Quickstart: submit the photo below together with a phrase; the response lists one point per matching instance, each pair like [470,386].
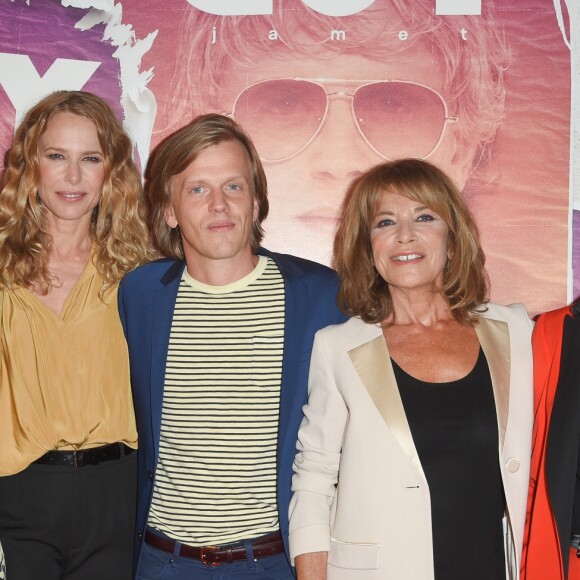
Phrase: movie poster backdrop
[328,88]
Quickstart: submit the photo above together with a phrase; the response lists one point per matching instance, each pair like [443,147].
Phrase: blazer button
[512,465]
[150,475]
[139,535]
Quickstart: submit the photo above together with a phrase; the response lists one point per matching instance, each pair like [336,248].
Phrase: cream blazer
[360,492]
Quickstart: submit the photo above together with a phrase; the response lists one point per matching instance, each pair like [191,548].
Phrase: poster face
[329,89]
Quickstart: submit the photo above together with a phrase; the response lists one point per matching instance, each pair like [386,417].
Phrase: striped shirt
[216,473]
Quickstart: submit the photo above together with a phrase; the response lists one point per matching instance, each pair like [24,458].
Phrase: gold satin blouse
[64,379]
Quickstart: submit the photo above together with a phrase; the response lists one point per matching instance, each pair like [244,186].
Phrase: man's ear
[169,215]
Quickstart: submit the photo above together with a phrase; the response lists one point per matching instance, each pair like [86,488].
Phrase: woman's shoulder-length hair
[363,292]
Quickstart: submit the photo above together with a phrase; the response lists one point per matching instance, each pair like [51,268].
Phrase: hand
[311,566]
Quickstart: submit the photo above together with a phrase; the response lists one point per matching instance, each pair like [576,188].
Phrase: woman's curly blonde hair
[118,230]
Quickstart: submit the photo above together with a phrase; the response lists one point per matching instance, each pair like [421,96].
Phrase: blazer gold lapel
[494,338]
[373,365]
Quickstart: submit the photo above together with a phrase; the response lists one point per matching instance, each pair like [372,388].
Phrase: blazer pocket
[353,556]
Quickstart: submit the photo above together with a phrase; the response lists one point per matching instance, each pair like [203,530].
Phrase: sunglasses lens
[281,116]
[399,119]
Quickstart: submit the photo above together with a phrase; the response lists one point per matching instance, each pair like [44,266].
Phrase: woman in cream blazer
[361,507]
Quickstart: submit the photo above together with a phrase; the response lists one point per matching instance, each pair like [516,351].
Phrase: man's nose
[339,152]
[217,200]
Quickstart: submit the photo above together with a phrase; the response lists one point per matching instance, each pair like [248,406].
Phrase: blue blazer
[146,302]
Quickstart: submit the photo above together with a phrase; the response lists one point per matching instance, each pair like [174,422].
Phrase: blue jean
[155,564]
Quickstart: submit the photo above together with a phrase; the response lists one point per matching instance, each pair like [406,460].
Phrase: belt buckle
[82,457]
[203,555]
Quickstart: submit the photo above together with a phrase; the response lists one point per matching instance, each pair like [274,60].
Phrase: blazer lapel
[564,430]
[494,338]
[162,317]
[373,365]
[296,308]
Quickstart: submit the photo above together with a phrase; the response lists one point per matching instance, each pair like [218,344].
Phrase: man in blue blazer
[220,334]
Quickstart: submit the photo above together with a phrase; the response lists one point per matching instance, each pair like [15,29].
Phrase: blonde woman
[70,228]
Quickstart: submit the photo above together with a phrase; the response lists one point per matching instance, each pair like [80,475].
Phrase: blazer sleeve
[540,536]
[317,461]
[547,348]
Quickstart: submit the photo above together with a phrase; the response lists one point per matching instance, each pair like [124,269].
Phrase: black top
[454,428]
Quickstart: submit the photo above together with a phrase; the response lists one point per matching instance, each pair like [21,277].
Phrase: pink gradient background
[521,200]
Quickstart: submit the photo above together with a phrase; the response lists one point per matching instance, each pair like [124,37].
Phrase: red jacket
[556,435]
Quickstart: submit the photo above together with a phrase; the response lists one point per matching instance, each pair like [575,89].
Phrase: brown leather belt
[268,545]
[83,457]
